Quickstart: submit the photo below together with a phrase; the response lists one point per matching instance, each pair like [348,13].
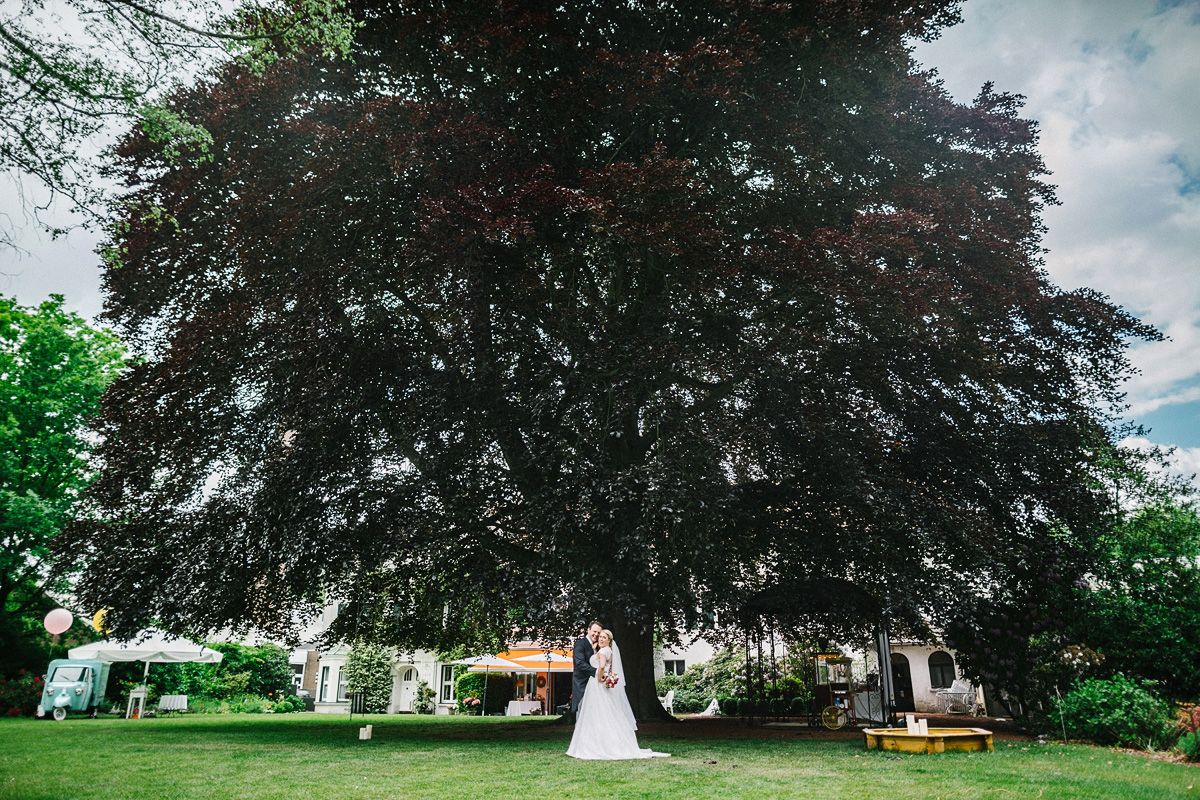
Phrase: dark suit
[582,671]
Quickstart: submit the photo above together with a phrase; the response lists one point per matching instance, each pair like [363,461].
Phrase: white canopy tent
[150,646]
[153,647]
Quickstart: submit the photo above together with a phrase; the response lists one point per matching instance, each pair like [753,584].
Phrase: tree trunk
[636,639]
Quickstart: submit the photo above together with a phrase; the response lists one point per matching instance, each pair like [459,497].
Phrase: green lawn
[305,755]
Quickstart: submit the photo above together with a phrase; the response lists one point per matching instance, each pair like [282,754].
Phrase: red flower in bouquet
[611,680]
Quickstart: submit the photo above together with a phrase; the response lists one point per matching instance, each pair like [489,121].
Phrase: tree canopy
[658,311]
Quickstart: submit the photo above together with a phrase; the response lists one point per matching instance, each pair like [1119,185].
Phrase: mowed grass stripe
[307,755]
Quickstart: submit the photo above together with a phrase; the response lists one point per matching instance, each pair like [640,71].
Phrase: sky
[1112,84]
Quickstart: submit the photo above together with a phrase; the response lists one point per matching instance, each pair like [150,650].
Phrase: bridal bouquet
[611,679]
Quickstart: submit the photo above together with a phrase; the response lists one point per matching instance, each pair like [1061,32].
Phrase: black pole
[887,682]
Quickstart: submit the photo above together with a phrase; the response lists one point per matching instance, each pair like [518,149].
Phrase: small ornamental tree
[369,669]
[644,311]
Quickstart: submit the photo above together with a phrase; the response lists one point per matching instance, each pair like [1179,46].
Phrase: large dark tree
[646,310]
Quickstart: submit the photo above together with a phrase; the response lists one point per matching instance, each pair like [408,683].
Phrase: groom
[582,671]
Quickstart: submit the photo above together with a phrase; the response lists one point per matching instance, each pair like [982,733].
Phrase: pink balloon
[58,620]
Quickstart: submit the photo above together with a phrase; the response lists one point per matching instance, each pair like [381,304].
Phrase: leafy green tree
[1142,612]
[659,312]
[54,367]
[261,670]
[369,669]
[1131,609]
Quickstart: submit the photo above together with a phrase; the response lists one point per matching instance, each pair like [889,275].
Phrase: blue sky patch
[1178,424]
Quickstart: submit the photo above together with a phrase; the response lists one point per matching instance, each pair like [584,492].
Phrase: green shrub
[249,704]
[369,669]
[724,676]
[19,696]
[1189,745]
[1115,711]
[288,704]
[729,706]
[500,689]
[795,688]
[245,704]
[229,684]
[426,698]
[799,706]
[717,677]
[207,705]
[688,701]
[262,670]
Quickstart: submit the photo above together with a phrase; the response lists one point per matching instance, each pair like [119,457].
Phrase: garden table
[517,708]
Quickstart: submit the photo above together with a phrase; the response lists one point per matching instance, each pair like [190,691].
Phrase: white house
[917,670]
[676,659]
[321,673]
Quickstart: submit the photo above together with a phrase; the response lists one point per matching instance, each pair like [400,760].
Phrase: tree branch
[234,37]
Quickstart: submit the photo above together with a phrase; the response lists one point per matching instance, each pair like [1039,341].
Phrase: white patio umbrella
[153,647]
[487,662]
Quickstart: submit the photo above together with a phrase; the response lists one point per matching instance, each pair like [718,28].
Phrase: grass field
[306,755]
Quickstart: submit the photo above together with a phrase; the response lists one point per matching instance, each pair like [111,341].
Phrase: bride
[604,726]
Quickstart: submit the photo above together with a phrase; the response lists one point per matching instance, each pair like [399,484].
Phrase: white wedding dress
[604,724]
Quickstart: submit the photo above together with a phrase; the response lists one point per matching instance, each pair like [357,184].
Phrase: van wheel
[60,714]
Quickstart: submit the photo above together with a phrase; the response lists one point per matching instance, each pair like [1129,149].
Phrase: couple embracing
[604,722]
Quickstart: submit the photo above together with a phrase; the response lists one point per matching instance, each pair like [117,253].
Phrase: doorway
[405,692]
[560,694]
[902,682]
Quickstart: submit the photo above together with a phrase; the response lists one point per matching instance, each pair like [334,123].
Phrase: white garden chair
[960,698]
[668,702]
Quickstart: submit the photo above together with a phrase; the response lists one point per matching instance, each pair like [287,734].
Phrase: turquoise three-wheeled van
[73,685]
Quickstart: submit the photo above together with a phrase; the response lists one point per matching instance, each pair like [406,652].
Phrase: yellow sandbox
[937,740]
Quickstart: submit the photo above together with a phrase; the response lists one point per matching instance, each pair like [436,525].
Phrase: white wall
[918,664]
[326,698]
[425,668]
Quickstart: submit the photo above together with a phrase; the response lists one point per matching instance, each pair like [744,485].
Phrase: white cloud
[1184,461]
[1113,87]
[1188,395]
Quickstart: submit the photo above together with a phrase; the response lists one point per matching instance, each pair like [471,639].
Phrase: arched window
[408,674]
[941,670]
